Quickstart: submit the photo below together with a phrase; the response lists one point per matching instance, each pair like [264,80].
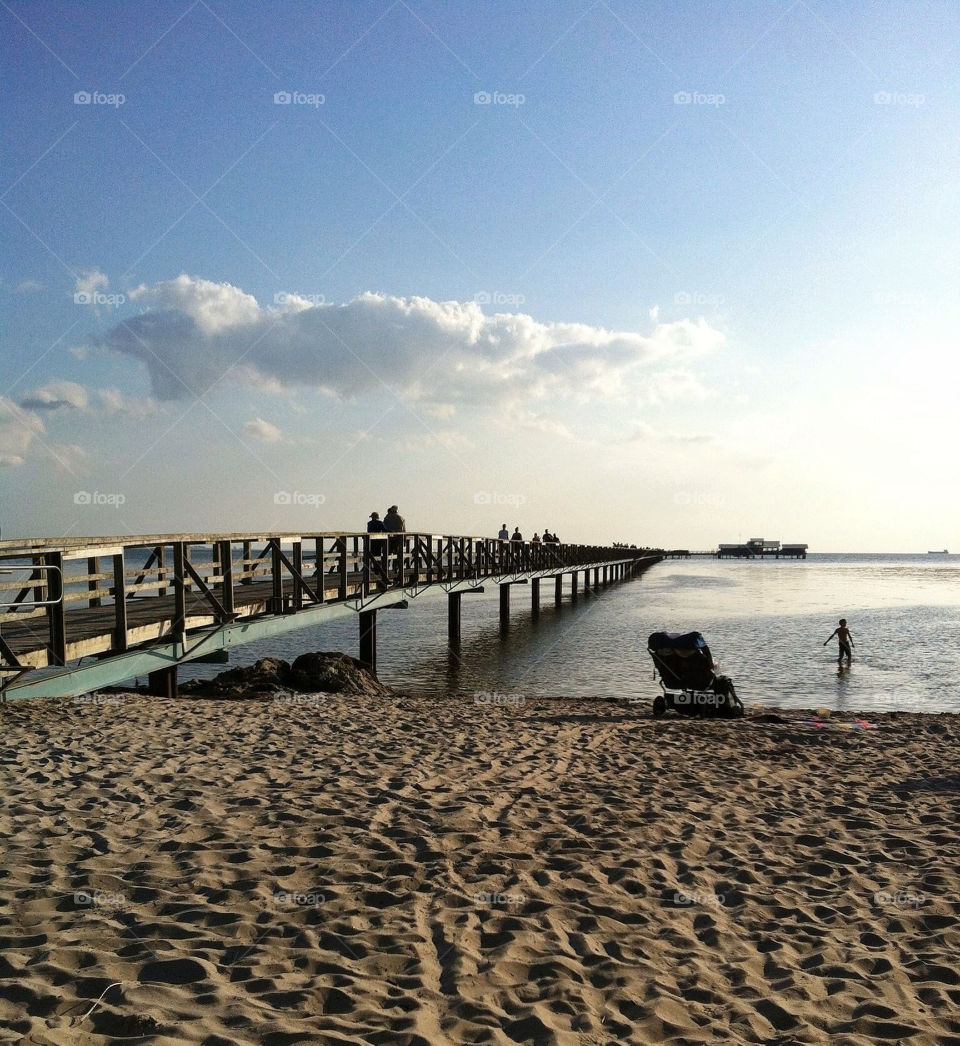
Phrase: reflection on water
[765,622]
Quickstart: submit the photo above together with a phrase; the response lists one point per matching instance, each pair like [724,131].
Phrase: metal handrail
[34,569]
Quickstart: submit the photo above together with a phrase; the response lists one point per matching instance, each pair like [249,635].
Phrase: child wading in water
[845,639]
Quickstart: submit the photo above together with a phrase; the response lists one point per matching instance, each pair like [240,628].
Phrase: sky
[665,273]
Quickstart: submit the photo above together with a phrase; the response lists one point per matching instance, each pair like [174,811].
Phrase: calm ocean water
[765,622]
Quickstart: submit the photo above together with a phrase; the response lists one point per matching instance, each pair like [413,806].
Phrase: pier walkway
[86,613]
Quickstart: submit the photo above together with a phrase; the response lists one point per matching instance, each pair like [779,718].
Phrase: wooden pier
[82,614]
[759,548]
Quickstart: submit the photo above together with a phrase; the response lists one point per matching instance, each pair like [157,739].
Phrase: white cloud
[89,281]
[262,431]
[18,429]
[54,395]
[114,402]
[439,354]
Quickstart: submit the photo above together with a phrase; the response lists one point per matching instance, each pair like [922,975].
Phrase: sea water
[765,622]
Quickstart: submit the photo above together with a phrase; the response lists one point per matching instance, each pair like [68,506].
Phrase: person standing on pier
[375,526]
[394,523]
[845,641]
[504,534]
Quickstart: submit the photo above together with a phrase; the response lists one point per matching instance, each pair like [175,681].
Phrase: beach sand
[405,870]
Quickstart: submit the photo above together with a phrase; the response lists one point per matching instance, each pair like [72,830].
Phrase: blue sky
[664,273]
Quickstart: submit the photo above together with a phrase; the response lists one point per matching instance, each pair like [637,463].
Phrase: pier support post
[453,618]
[573,585]
[596,577]
[535,595]
[558,588]
[504,604]
[163,683]
[605,569]
[368,639]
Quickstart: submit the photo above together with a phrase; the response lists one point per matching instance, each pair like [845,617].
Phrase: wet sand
[405,870]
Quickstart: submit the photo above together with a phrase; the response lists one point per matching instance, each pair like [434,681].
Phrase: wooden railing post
[179,623]
[119,603]
[226,572]
[57,650]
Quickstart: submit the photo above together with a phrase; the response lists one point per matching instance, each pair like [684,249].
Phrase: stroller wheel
[659,706]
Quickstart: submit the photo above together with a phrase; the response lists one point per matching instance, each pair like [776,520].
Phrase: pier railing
[70,599]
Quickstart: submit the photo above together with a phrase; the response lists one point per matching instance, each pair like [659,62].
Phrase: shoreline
[407,870]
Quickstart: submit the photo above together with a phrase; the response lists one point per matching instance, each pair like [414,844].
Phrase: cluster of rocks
[318,672]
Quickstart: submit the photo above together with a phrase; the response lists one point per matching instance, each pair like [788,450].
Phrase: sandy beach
[401,870]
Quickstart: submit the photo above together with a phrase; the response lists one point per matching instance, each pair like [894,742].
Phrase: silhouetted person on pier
[375,526]
[504,534]
[516,537]
[535,540]
[845,641]
[394,523]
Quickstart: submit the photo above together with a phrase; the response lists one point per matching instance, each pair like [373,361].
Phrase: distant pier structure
[761,548]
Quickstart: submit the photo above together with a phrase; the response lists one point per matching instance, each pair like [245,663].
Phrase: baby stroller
[689,679]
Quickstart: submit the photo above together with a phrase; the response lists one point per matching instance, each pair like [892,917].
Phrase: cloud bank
[194,333]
